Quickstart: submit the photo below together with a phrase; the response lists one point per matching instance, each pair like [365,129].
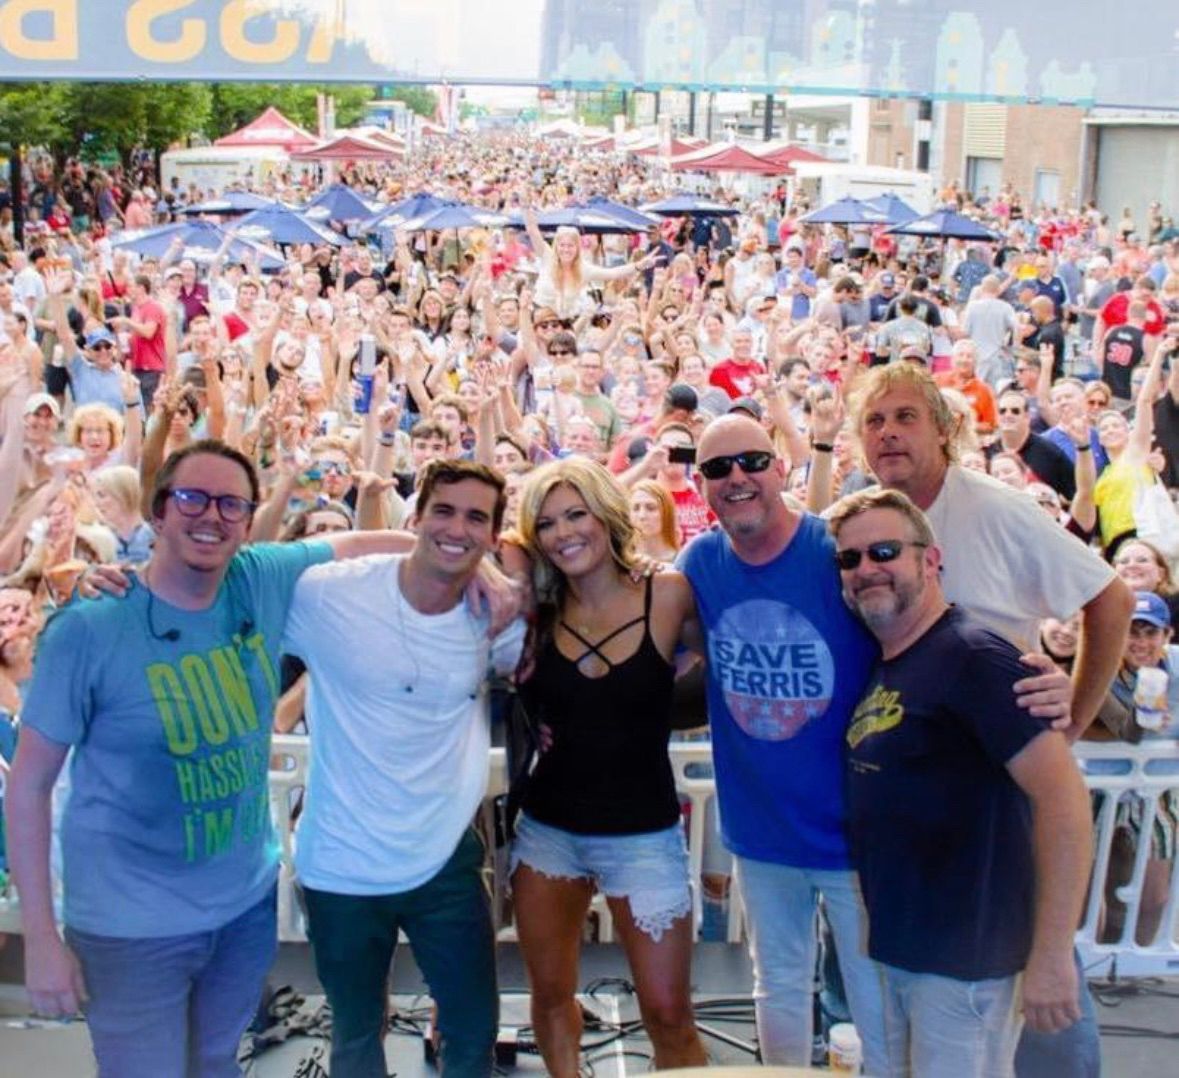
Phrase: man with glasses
[969,819]
[786,664]
[1045,460]
[166,697]
[1008,563]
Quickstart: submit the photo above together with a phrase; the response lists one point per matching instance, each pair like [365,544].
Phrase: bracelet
[131,404]
[1087,447]
[822,447]
[388,440]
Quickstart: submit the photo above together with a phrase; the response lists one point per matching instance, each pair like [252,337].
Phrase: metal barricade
[1115,773]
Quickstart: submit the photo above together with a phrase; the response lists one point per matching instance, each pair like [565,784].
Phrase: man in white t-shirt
[399,749]
[1009,564]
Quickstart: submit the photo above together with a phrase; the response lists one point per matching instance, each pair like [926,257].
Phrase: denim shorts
[649,870]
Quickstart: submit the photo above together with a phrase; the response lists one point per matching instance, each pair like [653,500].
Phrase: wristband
[388,440]
[1087,447]
[131,404]
[822,447]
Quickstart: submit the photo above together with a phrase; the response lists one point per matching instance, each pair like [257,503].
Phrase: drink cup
[1150,698]
[845,1053]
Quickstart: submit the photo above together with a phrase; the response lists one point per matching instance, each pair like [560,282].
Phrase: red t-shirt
[736,379]
[1117,310]
[149,353]
[691,513]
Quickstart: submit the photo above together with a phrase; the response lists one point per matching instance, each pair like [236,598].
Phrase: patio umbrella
[283,225]
[946,225]
[689,206]
[338,202]
[587,219]
[455,215]
[200,239]
[896,209]
[229,204]
[395,215]
[627,214]
[846,211]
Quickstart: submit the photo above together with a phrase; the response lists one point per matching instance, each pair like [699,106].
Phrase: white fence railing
[1115,773]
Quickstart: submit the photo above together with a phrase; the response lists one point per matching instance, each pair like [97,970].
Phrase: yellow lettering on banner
[140,16]
[277,50]
[205,701]
[323,41]
[172,705]
[62,43]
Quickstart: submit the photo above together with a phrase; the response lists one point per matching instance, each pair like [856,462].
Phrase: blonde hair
[122,483]
[606,501]
[90,412]
[669,530]
[880,381]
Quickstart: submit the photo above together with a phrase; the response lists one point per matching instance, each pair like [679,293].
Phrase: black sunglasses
[884,551]
[1011,411]
[562,352]
[751,461]
[102,346]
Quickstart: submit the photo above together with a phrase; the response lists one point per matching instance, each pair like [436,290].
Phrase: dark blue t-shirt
[941,833]
[787,662]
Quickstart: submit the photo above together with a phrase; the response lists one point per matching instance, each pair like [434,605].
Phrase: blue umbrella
[338,202]
[398,213]
[282,225]
[455,215]
[896,209]
[945,224]
[846,211]
[586,219]
[689,206]
[200,239]
[229,204]
[624,213]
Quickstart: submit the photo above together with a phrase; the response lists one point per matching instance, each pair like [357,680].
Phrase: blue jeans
[176,1006]
[780,905]
[939,1027]
[448,922]
[1072,1053]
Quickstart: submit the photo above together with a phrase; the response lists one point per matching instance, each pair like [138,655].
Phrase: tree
[419,99]
[237,103]
[32,114]
[118,117]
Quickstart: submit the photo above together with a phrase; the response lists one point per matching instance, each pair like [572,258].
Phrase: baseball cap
[98,336]
[681,396]
[888,280]
[638,448]
[544,314]
[1152,609]
[914,351]
[42,400]
[746,404]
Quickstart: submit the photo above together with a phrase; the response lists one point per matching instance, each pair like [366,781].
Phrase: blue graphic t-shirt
[787,663]
[167,830]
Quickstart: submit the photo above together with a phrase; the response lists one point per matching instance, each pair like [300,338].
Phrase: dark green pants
[448,922]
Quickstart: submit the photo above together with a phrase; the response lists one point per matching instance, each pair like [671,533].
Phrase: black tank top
[607,772]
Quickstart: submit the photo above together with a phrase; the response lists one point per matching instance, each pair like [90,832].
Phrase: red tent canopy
[678,146]
[348,148]
[784,157]
[726,157]
[272,128]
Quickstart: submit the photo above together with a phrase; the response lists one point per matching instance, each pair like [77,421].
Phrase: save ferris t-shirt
[167,830]
[787,663]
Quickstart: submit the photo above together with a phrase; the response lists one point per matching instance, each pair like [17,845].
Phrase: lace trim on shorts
[656,909]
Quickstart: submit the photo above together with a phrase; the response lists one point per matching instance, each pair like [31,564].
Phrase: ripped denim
[649,870]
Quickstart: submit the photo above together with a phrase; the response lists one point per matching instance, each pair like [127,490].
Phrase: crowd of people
[903,510]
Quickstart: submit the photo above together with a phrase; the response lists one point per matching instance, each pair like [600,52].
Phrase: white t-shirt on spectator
[1006,561]
[399,726]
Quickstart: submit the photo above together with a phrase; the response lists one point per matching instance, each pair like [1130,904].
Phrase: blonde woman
[566,274]
[104,437]
[117,497]
[600,808]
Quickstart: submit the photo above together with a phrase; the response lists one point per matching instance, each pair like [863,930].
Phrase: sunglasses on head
[884,551]
[751,462]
